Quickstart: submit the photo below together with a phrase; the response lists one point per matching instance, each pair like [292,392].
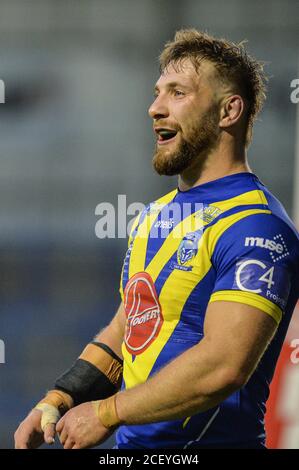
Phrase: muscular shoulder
[256,260]
[263,234]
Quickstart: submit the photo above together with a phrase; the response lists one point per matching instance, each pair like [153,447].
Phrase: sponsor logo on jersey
[263,278]
[143,311]
[208,213]
[277,247]
[167,224]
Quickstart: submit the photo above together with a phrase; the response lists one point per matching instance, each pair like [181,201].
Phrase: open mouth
[165,135]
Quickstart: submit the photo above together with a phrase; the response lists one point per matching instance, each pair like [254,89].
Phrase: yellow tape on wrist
[60,400]
[107,413]
[50,414]
[104,362]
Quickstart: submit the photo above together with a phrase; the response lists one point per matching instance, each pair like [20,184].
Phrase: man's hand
[30,435]
[81,428]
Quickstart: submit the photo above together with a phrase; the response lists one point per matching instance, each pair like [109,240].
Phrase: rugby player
[207,297]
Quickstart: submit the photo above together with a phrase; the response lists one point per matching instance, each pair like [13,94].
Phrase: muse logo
[277,247]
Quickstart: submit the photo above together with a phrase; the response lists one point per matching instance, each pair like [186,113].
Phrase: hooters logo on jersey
[144,313]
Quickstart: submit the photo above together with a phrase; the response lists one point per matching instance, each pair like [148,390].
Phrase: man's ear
[231,111]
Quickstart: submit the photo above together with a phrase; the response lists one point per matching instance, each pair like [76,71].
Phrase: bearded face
[186,116]
[176,153]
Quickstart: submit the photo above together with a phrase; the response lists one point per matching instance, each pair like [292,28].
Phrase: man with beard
[209,281]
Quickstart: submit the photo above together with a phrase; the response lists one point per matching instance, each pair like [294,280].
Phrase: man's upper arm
[238,335]
[254,261]
[120,318]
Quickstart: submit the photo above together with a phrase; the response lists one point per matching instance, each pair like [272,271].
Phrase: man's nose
[158,109]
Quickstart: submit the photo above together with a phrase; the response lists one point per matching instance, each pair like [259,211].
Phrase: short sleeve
[255,261]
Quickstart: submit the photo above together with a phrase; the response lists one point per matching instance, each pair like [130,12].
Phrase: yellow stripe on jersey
[137,261]
[134,225]
[191,223]
[171,244]
[138,254]
[251,197]
[249,298]
[139,370]
[219,228]
[186,421]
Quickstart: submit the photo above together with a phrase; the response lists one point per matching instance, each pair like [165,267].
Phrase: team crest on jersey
[187,250]
[208,213]
[143,311]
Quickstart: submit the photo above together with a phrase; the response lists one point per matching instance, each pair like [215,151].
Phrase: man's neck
[218,164]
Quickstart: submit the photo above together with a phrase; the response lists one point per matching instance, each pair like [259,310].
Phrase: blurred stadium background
[74,132]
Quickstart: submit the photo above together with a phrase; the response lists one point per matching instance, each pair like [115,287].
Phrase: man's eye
[178,93]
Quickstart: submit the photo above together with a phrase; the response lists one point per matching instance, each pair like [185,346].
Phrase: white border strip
[296,171]
[204,429]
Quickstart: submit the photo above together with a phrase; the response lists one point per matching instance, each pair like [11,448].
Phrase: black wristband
[108,350]
[85,382]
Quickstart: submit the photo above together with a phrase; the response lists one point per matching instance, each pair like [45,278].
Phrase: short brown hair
[233,64]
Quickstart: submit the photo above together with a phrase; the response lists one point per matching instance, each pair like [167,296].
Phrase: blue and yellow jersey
[228,239]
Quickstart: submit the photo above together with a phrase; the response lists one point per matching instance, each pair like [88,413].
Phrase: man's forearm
[97,373]
[113,334]
[194,382]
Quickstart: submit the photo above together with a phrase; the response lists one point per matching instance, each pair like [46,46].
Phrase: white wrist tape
[50,414]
